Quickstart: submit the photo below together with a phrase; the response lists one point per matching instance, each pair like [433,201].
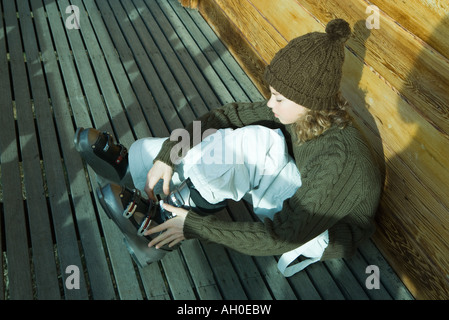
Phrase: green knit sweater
[340,191]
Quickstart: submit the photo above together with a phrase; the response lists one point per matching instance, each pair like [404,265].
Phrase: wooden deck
[135,68]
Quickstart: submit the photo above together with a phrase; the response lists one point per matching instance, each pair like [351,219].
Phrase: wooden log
[411,213]
[410,65]
[12,208]
[398,102]
[406,62]
[428,20]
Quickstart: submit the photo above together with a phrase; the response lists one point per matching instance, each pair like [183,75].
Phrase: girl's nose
[271,102]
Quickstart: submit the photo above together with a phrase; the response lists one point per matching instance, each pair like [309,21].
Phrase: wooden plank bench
[135,68]
[395,77]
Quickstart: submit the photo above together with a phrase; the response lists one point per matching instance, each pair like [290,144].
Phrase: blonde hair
[315,122]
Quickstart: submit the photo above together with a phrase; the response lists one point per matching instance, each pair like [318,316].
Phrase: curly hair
[315,122]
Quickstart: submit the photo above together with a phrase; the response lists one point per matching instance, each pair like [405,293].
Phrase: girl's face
[285,110]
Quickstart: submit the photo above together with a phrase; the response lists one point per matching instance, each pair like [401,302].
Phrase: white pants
[250,163]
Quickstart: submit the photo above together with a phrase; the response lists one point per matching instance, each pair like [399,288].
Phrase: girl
[332,212]
[305,168]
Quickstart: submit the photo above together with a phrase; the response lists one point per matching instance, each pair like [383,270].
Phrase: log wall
[396,78]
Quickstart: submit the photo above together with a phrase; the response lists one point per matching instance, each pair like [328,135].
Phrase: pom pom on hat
[338,29]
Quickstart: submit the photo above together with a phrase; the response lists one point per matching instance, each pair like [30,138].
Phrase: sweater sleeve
[232,115]
[330,190]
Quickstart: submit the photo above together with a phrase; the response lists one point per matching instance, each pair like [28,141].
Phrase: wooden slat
[388,277]
[304,287]
[136,111]
[133,92]
[77,104]
[345,280]
[237,44]
[177,277]
[200,270]
[198,45]
[2,284]
[95,76]
[167,77]
[164,60]
[180,100]
[417,207]
[144,96]
[357,264]
[143,63]
[145,99]
[225,275]
[244,266]
[248,266]
[323,282]
[163,34]
[99,277]
[250,277]
[18,264]
[154,283]
[37,209]
[278,285]
[213,90]
[48,289]
[63,224]
[427,20]
[217,53]
[125,277]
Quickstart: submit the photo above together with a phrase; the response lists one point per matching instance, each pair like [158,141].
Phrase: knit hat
[308,69]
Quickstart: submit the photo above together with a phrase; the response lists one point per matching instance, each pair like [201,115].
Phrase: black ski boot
[134,215]
[108,159]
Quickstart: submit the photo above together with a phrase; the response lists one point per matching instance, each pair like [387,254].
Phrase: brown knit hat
[308,69]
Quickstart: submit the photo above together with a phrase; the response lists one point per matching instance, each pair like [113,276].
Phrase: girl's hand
[173,229]
[158,171]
